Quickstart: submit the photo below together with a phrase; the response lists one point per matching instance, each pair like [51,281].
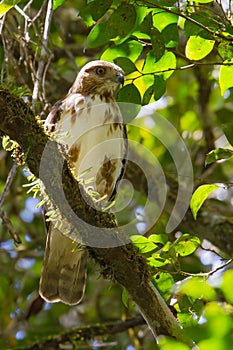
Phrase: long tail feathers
[63,275]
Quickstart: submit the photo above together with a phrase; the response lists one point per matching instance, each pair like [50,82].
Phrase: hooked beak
[120,78]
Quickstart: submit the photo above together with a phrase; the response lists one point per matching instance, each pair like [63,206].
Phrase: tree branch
[86,333]
[109,247]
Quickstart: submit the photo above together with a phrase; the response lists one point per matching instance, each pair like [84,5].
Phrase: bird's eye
[100,71]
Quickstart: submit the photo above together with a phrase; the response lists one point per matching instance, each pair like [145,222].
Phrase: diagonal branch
[120,260]
[86,333]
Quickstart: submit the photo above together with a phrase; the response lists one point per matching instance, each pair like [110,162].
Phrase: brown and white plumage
[89,124]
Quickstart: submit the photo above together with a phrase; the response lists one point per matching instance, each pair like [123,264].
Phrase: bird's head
[98,78]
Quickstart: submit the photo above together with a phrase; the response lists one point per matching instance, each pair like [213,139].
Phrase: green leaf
[226,286]
[199,196]
[119,25]
[168,343]
[203,1]
[218,154]
[125,298]
[158,45]
[126,64]
[57,3]
[156,261]
[197,288]
[225,77]
[148,95]
[186,319]
[170,35]
[129,93]
[167,3]
[147,24]
[159,87]
[143,243]
[162,19]
[158,238]
[228,130]
[131,49]
[206,20]
[225,50]
[6,5]
[122,21]
[96,9]
[164,282]
[198,48]
[186,244]
[165,65]
[8,144]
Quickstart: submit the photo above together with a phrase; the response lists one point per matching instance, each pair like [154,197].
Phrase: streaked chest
[94,133]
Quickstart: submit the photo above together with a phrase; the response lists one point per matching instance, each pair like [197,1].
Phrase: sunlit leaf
[143,243]
[220,325]
[6,5]
[162,19]
[226,285]
[198,48]
[164,282]
[158,238]
[131,49]
[199,196]
[186,319]
[218,154]
[203,1]
[186,244]
[225,76]
[57,3]
[165,65]
[197,287]
[167,343]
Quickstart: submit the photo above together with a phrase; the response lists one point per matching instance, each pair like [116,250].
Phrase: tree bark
[118,258]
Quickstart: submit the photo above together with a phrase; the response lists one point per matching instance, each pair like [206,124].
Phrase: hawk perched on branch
[89,123]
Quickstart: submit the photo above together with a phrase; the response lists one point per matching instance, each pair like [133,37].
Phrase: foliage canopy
[178,59]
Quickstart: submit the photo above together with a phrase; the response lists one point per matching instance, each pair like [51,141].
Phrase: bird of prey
[88,122]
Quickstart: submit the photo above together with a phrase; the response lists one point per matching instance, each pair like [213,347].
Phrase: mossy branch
[121,262]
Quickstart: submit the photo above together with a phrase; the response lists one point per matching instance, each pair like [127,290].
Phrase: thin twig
[189,19]
[42,61]
[9,180]
[200,274]
[26,17]
[9,226]
[188,66]
[5,220]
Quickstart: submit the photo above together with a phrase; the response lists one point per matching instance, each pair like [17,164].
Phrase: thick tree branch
[122,261]
[86,333]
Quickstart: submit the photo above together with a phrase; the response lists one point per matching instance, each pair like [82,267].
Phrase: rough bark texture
[121,263]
